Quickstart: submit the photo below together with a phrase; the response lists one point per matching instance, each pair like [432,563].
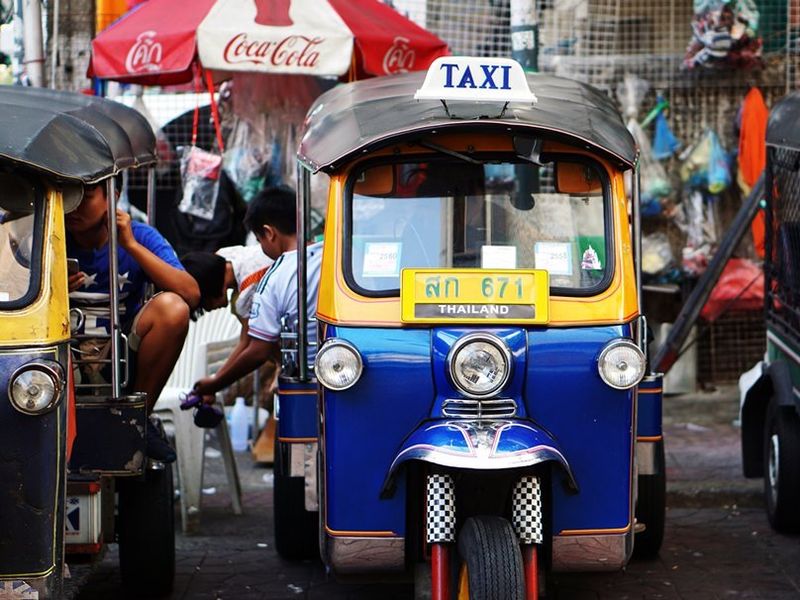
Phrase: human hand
[205,387]
[75,281]
[124,230]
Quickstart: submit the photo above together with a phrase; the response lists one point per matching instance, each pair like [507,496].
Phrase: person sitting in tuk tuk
[155,327]
[272,218]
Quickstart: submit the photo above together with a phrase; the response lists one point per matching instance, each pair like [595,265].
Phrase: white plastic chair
[209,341]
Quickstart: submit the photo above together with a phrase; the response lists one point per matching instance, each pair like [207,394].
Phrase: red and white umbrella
[159,41]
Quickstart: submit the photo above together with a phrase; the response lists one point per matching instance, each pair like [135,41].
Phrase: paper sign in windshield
[381,259]
[498,257]
[555,257]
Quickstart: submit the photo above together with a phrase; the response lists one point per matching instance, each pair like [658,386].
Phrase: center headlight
[34,388]
[479,365]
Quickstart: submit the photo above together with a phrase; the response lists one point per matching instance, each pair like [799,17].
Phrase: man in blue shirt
[157,328]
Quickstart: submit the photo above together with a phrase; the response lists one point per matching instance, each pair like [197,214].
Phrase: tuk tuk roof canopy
[783,127]
[72,136]
[363,116]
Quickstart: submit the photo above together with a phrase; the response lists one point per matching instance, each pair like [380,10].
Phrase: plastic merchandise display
[239,423]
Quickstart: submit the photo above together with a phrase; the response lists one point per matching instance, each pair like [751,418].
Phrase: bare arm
[162,274]
[252,356]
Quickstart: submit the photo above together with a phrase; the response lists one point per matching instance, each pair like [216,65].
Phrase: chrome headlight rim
[488,338]
[52,370]
[613,344]
[326,346]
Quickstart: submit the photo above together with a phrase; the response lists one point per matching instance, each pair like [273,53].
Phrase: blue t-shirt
[92,296]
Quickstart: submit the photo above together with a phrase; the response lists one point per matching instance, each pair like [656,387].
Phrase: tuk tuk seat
[200,356]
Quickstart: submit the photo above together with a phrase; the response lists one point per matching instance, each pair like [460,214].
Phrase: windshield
[493,215]
[20,240]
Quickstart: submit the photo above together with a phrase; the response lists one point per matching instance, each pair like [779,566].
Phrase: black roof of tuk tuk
[783,127]
[359,117]
[72,136]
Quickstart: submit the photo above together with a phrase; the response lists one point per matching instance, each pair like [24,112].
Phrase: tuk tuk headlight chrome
[338,365]
[479,365]
[621,364]
[34,388]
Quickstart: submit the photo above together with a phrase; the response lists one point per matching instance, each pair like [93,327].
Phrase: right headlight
[621,364]
[338,365]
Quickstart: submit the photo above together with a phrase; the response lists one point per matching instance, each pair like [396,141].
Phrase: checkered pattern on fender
[527,510]
[440,519]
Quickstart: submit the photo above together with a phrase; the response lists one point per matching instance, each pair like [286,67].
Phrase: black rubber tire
[782,501]
[490,549]
[651,509]
[146,531]
[296,529]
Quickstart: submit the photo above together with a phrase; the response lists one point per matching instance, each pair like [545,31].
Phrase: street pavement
[718,544]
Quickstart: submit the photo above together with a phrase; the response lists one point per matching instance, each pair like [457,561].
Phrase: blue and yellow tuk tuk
[479,412]
[73,469]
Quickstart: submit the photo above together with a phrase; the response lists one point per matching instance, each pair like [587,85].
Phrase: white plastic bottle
[238,425]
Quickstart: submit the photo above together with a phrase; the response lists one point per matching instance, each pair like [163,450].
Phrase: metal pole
[525,34]
[636,234]
[303,187]
[113,283]
[18,55]
[34,53]
[151,196]
[54,46]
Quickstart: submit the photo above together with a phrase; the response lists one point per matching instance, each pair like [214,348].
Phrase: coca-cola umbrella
[159,41]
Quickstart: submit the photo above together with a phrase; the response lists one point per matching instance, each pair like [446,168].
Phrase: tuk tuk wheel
[146,527]
[651,507]
[782,468]
[492,566]
[296,529]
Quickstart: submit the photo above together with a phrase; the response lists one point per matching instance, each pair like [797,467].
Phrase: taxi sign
[475,79]
[475,296]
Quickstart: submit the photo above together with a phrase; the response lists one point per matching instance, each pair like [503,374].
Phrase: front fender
[490,445]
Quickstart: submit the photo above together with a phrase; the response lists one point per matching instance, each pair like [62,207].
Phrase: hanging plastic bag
[665,144]
[200,172]
[706,165]
[201,169]
[655,183]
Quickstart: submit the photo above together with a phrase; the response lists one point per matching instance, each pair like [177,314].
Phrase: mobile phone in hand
[73,266]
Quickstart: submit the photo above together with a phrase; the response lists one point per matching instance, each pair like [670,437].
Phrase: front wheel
[492,567]
[146,527]
[782,468]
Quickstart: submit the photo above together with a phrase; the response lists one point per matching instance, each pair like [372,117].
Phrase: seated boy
[271,217]
[156,328]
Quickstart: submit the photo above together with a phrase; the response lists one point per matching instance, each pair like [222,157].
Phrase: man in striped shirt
[271,217]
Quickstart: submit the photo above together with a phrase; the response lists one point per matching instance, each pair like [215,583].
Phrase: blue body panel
[297,418]
[32,449]
[561,400]
[592,422]
[365,425]
[648,417]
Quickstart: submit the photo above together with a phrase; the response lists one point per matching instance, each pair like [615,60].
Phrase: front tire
[490,552]
[296,529]
[146,527]
[782,468]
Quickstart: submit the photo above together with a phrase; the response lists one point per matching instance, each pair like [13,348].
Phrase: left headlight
[338,365]
[34,388]
[621,364]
